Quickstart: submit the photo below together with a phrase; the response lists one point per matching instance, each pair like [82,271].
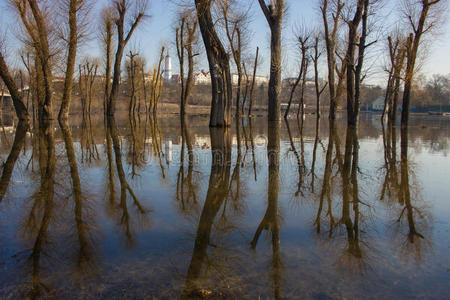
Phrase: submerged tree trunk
[71,56]
[274,16]
[19,105]
[330,41]
[255,66]
[219,66]
[413,44]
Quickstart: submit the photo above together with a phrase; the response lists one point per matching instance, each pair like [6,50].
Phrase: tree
[219,67]
[19,105]
[37,29]
[318,89]
[353,24]
[274,13]
[123,11]
[186,38]
[74,7]
[420,26]
[107,38]
[303,37]
[234,21]
[330,42]
[397,52]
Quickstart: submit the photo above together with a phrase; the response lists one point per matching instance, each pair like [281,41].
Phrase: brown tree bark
[219,66]
[350,60]
[255,66]
[330,41]
[122,40]
[38,32]
[274,14]
[71,56]
[19,105]
[411,55]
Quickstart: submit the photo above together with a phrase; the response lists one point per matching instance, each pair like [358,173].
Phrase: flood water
[163,209]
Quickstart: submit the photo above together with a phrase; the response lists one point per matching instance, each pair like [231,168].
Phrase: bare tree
[303,36]
[74,8]
[397,53]
[274,13]
[186,38]
[319,90]
[16,95]
[37,29]
[418,14]
[123,10]
[353,25]
[107,38]
[219,66]
[87,75]
[331,35]
[255,66]
[234,22]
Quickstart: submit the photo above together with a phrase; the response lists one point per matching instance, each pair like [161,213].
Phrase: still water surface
[161,209]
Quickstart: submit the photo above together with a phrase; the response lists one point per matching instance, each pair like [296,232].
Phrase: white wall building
[204,77]
[378,104]
[259,80]
[167,73]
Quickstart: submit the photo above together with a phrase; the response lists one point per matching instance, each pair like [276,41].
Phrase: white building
[167,73]
[259,80]
[204,77]
[378,104]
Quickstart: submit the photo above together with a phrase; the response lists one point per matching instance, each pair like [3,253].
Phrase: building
[309,81]
[204,77]
[259,80]
[378,104]
[167,73]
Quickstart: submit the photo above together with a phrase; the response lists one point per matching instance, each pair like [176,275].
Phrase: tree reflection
[270,221]
[186,187]
[350,192]
[126,220]
[217,193]
[401,193]
[42,209]
[89,150]
[325,193]
[300,158]
[415,237]
[85,247]
[8,166]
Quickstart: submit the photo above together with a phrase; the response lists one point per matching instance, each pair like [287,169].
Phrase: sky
[158,30]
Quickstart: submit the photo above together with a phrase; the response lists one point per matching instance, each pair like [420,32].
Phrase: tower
[167,67]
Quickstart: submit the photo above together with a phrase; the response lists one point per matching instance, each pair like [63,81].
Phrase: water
[99,210]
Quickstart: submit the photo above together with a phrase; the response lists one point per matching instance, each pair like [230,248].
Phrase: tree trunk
[71,56]
[219,67]
[19,106]
[274,15]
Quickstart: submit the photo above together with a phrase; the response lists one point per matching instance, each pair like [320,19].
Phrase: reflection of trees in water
[186,185]
[218,187]
[85,247]
[300,157]
[354,256]
[400,191]
[89,151]
[271,219]
[8,166]
[126,220]
[42,209]
[136,145]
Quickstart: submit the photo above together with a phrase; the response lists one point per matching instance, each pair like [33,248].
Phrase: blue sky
[158,30]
